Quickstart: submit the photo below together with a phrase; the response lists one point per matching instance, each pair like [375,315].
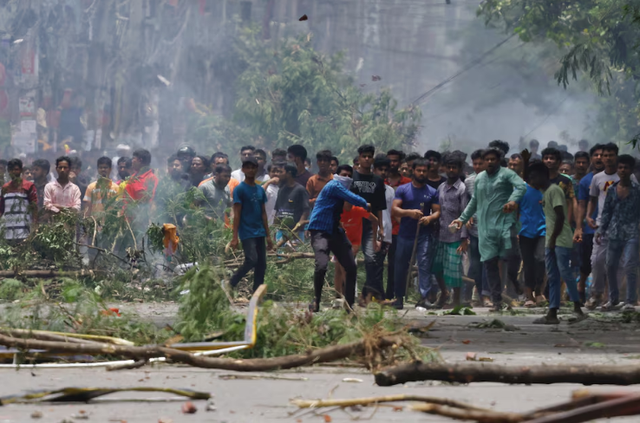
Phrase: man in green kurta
[496,192]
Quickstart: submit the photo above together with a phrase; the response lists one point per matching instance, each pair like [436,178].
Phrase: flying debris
[164,80]
[303,18]
[18,41]
[376,78]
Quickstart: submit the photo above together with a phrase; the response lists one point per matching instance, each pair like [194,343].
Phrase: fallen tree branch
[365,347]
[472,372]
[582,408]
[105,251]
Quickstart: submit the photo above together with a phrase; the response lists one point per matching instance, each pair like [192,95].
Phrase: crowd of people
[541,225]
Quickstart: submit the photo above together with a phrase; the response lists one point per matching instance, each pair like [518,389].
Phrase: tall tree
[598,38]
[287,92]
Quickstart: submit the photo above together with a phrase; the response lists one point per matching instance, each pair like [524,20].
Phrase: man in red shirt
[18,204]
[141,185]
[394,180]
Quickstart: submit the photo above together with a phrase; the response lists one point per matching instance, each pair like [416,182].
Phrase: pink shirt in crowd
[58,197]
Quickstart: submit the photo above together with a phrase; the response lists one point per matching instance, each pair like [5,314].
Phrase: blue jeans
[404,248]
[290,236]
[558,262]
[625,253]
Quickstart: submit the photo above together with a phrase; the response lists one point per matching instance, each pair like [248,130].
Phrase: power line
[467,67]
[555,109]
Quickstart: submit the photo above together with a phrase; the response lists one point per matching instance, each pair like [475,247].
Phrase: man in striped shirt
[18,204]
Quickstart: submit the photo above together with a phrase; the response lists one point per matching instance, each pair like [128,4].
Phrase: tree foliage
[598,38]
[289,93]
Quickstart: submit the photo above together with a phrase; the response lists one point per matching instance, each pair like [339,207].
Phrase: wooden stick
[45,273]
[135,365]
[333,353]
[44,336]
[624,406]
[480,416]
[476,372]
[323,403]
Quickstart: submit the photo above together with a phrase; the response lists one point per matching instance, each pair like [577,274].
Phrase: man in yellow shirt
[101,191]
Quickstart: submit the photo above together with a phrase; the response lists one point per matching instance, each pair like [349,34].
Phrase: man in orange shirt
[101,191]
[140,190]
[317,182]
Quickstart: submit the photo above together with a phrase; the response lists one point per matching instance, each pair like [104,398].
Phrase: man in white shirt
[271,189]
[62,194]
[261,157]
[380,167]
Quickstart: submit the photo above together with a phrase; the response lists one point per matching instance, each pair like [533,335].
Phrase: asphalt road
[595,341]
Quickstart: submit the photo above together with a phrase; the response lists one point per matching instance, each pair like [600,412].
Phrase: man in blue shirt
[416,204]
[250,225]
[531,239]
[584,233]
[327,235]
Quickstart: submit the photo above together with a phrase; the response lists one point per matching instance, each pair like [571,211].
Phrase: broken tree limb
[365,347]
[467,373]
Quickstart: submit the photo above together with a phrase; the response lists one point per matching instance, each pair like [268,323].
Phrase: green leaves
[598,39]
[10,289]
[290,93]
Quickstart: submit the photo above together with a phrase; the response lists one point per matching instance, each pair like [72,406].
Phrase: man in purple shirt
[416,204]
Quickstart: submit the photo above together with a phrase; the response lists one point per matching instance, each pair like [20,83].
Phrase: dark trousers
[586,248]
[510,269]
[476,268]
[372,263]
[492,268]
[337,243]
[533,256]
[391,265]
[255,257]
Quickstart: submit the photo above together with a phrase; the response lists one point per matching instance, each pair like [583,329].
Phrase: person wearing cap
[186,155]
[250,225]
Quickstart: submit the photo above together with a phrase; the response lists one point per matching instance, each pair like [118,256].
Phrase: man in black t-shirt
[292,206]
[434,179]
[371,188]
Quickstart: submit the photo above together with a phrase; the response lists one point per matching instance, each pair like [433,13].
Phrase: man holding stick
[413,204]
